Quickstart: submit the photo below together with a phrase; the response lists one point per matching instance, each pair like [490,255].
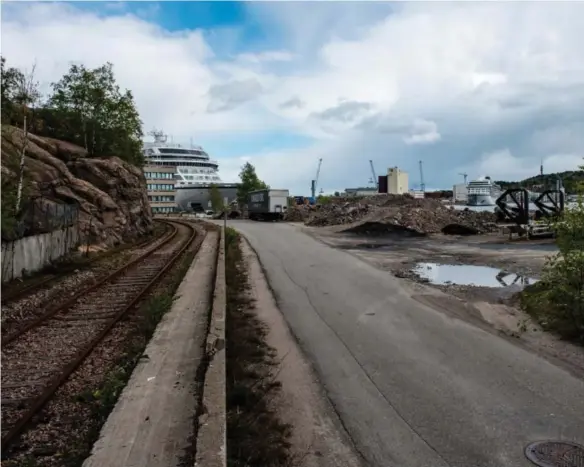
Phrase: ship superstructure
[482,192]
[195,171]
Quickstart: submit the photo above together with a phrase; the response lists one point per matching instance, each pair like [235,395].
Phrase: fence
[44,232]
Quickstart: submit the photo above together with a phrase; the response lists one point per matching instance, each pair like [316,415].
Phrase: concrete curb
[211,436]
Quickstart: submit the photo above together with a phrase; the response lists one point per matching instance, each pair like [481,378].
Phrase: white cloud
[449,83]
[268,56]
[423,132]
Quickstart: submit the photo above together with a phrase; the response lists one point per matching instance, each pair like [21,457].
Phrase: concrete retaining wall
[30,254]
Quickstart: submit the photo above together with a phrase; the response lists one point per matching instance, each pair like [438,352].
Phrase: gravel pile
[401,212]
[297,214]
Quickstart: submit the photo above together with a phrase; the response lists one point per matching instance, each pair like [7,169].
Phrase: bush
[557,301]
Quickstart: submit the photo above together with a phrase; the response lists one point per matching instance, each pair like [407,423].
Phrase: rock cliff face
[110,194]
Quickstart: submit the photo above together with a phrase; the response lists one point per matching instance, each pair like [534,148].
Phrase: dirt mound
[297,214]
[399,212]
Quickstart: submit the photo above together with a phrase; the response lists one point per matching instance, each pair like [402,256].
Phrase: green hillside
[573,181]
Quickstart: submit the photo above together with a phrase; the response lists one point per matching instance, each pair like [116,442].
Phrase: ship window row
[197,171]
[163,209]
[165,175]
[183,163]
[479,191]
[159,187]
[181,151]
[161,199]
[200,177]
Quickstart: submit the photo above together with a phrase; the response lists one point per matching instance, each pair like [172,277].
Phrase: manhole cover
[555,454]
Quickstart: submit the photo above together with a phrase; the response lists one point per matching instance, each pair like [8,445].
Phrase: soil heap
[110,194]
[399,212]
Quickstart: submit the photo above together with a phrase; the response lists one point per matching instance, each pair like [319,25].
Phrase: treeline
[86,107]
[573,181]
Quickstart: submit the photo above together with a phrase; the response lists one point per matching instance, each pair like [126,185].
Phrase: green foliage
[557,301]
[86,108]
[215,198]
[98,116]
[249,182]
[573,181]
[322,199]
[19,90]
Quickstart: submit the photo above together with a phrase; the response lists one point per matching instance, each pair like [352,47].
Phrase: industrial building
[160,183]
[397,181]
[460,192]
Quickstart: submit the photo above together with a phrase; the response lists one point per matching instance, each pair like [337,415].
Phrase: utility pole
[422,184]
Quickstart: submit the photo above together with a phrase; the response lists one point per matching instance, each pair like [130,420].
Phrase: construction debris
[395,212]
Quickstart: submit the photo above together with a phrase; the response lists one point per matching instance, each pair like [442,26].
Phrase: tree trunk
[21,169]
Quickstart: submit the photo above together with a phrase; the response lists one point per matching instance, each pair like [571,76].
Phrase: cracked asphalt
[414,386]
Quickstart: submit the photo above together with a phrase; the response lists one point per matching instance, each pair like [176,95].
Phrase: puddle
[481,276]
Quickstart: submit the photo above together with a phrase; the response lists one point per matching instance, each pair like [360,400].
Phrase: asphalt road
[412,385]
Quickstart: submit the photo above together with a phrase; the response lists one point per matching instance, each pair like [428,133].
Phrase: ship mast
[159,136]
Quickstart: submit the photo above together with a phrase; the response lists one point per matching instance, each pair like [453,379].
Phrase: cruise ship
[195,172]
[483,192]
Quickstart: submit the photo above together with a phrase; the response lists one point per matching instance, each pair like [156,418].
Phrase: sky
[483,88]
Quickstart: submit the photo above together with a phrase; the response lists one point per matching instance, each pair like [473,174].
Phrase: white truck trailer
[267,204]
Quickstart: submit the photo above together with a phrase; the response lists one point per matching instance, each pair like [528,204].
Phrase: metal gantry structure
[465,175]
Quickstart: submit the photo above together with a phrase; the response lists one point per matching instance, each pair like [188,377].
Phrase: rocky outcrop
[107,195]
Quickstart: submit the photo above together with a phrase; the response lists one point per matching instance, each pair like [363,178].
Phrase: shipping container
[268,204]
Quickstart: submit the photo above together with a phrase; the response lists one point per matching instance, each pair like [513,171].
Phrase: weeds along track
[40,356]
[45,299]
[48,281]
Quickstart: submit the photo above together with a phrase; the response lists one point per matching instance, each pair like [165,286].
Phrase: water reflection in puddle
[482,276]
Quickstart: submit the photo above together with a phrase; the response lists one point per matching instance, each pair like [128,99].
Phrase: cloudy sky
[486,88]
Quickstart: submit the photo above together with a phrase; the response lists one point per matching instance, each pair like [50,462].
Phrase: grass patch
[255,434]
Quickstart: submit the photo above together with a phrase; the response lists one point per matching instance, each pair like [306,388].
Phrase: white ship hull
[480,200]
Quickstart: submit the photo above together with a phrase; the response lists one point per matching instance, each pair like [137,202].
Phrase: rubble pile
[401,212]
[297,213]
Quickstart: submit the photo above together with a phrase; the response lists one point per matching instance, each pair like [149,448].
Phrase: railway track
[46,282]
[38,358]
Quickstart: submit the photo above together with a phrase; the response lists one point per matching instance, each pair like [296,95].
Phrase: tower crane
[422,184]
[464,174]
[315,181]
[375,180]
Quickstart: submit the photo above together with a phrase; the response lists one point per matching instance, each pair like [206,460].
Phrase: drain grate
[555,454]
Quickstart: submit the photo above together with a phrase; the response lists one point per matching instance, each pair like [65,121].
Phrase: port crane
[465,175]
[422,184]
[374,180]
[315,181]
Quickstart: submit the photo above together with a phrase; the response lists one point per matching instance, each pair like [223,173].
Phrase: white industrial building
[397,181]
[460,192]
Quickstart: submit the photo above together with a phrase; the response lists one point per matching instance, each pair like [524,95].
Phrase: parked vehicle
[267,205]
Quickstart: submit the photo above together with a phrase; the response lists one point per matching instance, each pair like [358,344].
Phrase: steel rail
[54,383]
[33,323]
[7,298]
